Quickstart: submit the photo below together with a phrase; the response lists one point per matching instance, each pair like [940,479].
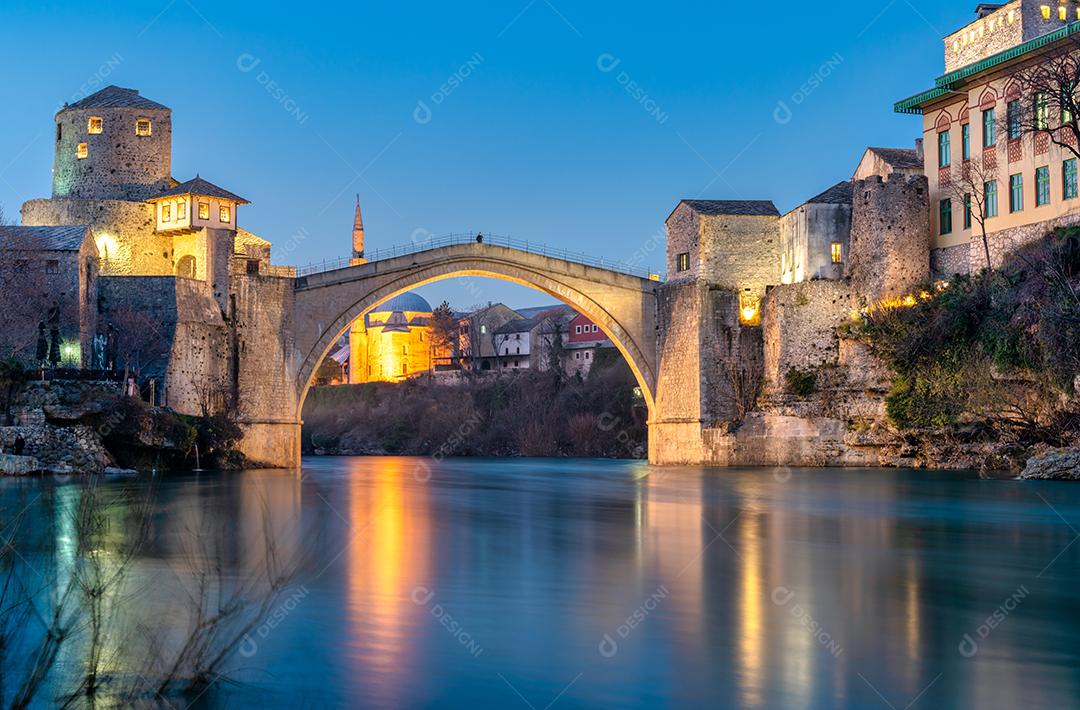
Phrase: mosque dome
[408,301]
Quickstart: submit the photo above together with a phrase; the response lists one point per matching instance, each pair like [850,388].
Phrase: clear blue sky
[538,141]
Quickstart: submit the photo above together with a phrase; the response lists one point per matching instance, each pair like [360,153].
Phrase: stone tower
[358,237]
[112,145]
[890,237]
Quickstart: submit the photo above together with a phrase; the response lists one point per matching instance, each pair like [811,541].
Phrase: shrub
[800,383]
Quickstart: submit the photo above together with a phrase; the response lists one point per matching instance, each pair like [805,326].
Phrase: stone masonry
[890,242]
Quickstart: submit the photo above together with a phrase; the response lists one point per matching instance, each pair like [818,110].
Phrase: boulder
[11,465]
[1059,464]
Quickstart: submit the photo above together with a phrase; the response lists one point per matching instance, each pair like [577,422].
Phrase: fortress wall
[799,324]
[890,237]
[192,333]
[265,368]
[124,232]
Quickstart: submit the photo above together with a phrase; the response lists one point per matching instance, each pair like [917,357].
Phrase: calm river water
[585,584]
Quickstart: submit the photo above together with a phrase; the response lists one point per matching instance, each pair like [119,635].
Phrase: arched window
[185,267]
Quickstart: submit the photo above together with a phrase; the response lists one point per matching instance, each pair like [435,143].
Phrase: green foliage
[800,383]
[954,347]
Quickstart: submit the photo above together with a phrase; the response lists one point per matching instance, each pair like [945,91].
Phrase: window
[252,267]
[683,262]
[404,350]
[990,197]
[965,141]
[1068,170]
[94,125]
[404,369]
[181,209]
[483,329]
[989,137]
[1016,193]
[59,132]
[81,151]
[837,251]
[1067,99]
[943,156]
[967,211]
[1045,9]
[1042,186]
[587,355]
[945,216]
[577,330]
[166,212]
[1063,13]
[1041,122]
[1012,114]
[225,214]
[204,210]
[143,127]
[52,266]
[577,356]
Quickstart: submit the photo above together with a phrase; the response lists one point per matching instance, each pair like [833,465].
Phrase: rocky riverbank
[91,427]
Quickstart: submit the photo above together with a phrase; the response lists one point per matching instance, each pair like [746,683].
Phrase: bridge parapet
[453,239]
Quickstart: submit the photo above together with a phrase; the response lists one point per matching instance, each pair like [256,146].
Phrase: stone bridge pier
[285,327]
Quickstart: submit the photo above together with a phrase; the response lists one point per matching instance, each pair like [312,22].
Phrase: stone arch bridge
[317,309]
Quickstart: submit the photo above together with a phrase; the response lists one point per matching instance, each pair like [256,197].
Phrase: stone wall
[740,252]
[675,429]
[262,310]
[194,336]
[683,237]
[950,261]
[890,237]
[799,324]
[119,165]
[125,232]
[807,234]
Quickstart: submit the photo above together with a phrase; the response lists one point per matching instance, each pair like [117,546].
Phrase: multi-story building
[981,148]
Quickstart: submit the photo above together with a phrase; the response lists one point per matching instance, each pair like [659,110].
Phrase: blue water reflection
[574,584]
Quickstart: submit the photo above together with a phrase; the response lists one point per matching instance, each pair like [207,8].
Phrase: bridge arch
[622,305]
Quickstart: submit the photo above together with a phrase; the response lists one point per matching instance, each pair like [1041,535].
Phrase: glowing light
[749,308]
[107,246]
[1045,12]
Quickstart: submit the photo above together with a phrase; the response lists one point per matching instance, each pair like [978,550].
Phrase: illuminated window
[225,214]
[1061,13]
[683,262]
[1045,12]
[142,127]
[81,151]
[181,209]
[94,125]
[1041,113]
[166,213]
[204,210]
[837,253]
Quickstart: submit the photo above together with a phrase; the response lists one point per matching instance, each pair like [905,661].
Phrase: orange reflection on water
[388,558]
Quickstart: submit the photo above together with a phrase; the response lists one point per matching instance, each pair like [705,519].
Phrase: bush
[958,352]
[800,383]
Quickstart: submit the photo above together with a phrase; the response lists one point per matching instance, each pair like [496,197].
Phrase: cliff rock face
[1060,464]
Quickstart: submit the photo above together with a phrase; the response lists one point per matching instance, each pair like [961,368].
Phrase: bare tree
[28,297]
[1046,104]
[444,329]
[141,340]
[968,191]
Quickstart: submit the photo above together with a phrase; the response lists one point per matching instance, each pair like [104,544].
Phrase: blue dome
[407,301]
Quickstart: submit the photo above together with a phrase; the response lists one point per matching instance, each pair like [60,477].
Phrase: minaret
[358,335]
[358,237]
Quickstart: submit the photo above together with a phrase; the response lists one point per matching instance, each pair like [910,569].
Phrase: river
[581,584]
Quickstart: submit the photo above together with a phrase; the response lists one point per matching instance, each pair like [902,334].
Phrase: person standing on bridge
[480,238]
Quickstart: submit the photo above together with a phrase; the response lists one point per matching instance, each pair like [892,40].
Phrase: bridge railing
[498,240]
